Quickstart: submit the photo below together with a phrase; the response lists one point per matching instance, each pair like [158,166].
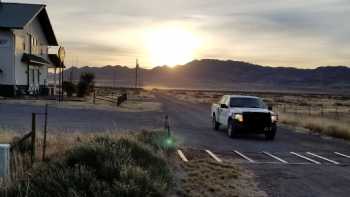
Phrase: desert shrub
[158,140]
[24,147]
[69,87]
[101,167]
[86,84]
[325,126]
[83,88]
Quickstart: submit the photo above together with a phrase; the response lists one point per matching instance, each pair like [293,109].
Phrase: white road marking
[214,156]
[182,156]
[275,157]
[304,157]
[245,157]
[343,155]
[326,159]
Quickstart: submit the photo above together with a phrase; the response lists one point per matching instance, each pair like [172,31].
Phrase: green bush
[101,167]
[86,84]
[83,88]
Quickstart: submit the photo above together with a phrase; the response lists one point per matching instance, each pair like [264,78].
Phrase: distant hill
[214,74]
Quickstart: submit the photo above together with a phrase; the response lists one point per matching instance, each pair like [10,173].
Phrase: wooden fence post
[45,133]
[32,157]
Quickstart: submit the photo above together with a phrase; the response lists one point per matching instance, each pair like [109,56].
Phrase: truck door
[225,111]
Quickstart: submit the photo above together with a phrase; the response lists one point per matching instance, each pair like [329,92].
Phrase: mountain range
[218,74]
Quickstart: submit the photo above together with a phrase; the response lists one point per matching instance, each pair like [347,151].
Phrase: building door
[33,76]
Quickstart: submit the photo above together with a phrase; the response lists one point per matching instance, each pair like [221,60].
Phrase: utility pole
[141,77]
[137,74]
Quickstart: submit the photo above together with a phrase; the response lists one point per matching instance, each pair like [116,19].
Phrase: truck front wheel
[231,131]
[270,135]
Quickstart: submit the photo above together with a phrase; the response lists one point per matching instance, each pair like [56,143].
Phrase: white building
[25,35]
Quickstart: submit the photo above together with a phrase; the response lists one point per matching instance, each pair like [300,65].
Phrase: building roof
[18,15]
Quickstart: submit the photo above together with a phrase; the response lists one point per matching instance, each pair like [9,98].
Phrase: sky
[297,33]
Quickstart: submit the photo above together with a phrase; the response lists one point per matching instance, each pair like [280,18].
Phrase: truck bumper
[244,128]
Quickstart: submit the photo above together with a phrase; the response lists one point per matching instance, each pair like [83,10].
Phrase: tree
[86,84]
[69,87]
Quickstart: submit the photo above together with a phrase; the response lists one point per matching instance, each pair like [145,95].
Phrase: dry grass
[196,97]
[207,178]
[141,164]
[325,126]
[197,178]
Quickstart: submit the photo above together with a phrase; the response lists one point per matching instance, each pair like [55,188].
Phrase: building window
[4,42]
[33,74]
[19,44]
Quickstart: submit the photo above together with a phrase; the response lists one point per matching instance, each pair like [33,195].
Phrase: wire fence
[329,111]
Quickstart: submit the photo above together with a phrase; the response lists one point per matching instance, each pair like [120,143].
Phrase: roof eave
[53,40]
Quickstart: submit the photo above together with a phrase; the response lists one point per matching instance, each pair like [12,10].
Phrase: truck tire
[231,131]
[215,124]
[270,135]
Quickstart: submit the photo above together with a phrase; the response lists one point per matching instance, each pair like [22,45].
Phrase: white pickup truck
[243,114]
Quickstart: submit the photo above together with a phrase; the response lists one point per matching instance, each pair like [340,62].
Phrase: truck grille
[257,120]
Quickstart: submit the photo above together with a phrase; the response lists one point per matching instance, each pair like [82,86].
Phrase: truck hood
[242,110]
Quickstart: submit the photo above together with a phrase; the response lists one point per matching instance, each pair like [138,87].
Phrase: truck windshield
[247,102]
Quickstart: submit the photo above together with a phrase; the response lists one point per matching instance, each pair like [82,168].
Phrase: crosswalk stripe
[245,157]
[275,157]
[324,158]
[182,155]
[214,156]
[304,157]
[343,155]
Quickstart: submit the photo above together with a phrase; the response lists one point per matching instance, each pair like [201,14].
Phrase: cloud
[273,32]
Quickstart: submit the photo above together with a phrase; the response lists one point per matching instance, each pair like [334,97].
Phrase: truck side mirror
[223,106]
[270,107]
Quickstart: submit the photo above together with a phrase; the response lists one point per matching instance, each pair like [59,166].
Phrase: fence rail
[115,100]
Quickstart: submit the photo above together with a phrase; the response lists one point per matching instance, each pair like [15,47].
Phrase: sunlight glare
[171,46]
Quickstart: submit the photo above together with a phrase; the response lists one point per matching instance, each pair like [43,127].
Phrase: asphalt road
[191,123]
[17,117]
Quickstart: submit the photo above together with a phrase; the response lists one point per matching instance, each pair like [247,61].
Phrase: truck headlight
[238,117]
[274,118]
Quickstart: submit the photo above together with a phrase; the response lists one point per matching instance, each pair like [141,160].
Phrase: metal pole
[33,137]
[62,78]
[45,133]
[94,97]
[167,125]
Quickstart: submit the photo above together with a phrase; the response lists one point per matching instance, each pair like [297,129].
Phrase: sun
[171,46]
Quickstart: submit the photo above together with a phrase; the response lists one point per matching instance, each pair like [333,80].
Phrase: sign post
[61,55]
